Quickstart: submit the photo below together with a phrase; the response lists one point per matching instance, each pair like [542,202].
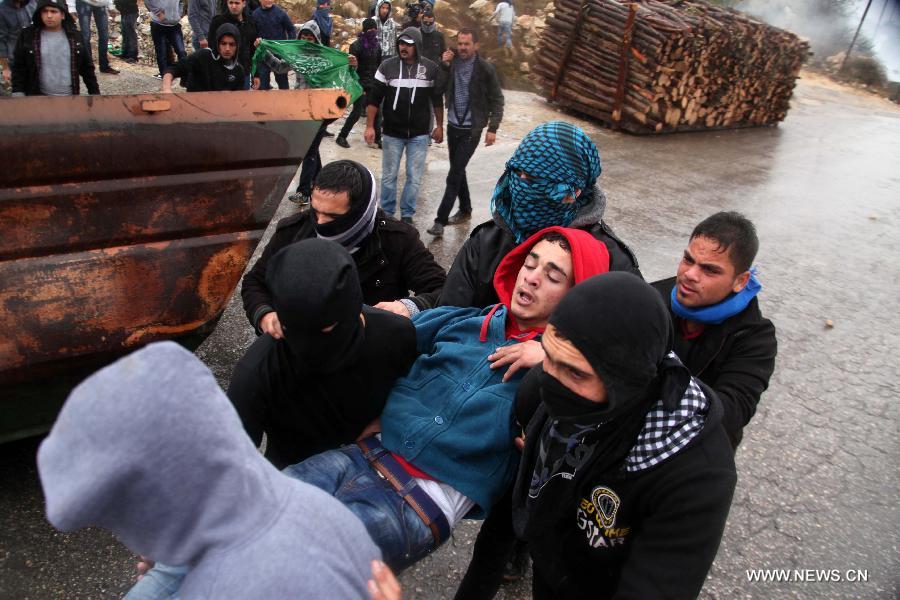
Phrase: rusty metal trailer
[130,219]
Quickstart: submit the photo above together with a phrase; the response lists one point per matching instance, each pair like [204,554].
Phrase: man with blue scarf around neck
[721,335]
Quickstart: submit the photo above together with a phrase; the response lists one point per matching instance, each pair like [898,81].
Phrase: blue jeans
[101,18]
[129,35]
[394,526]
[504,31]
[163,35]
[162,582]
[392,152]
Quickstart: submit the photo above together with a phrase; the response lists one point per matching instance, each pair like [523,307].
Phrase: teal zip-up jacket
[452,415]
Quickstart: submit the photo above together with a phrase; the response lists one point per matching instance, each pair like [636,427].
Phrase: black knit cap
[369,24]
[622,327]
[315,285]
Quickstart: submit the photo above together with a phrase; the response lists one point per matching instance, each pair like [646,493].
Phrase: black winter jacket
[653,533]
[392,263]
[367,63]
[203,72]
[247,27]
[735,358]
[433,45]
[485,95]
[26,67]
[470,281]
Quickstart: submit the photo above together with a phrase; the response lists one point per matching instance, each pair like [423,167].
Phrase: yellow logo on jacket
[597,517]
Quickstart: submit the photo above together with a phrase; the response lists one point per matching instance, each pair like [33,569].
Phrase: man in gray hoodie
[165,28]
[152,450]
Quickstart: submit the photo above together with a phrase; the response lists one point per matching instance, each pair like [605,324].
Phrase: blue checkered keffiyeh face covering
[559,159]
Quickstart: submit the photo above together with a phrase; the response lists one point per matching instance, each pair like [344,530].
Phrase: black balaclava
[351,230]
[314,286]
[623,328]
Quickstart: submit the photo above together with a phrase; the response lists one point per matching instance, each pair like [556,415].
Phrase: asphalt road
[818,480]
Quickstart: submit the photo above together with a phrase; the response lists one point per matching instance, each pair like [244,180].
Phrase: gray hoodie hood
[152,450]
[312,27]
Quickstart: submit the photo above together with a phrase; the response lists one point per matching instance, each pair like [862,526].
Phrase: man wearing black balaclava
[627,473]
[396,270]
[330,374]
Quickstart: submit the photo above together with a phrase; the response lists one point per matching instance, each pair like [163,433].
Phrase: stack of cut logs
[654,66]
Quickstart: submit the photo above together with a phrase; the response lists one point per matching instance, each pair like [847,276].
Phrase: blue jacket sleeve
[429,323]
[290,31]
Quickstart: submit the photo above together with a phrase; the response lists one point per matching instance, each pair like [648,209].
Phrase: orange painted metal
[129,219]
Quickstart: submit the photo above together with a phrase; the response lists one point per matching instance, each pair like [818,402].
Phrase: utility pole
[855,35]
[880,17]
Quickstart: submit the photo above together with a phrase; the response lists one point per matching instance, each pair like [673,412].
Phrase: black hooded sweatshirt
[247,27]
[408,91]
[313,390]
[206,71]
[26,65]
[628,501]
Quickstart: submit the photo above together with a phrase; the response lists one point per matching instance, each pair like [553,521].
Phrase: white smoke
[829,26]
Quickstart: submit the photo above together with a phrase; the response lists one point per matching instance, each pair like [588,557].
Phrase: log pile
[655,66]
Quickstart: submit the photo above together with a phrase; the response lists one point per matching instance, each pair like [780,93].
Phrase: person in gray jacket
[200,16]
[165,29]
[15,15]
[150,449]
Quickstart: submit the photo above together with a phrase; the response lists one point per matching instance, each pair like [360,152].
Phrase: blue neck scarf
[714,314]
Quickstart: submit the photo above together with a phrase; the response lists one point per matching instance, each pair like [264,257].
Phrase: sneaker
[460,216]
[437,230]
[342,142]
[407,220]
[158,76]
[109,70]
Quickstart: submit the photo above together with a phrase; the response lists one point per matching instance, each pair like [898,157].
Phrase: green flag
[321,66]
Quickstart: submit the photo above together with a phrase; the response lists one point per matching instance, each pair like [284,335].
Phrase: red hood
[589,257]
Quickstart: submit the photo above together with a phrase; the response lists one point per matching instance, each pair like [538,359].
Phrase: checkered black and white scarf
[666,432]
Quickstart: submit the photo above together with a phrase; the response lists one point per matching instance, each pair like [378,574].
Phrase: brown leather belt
[387,466]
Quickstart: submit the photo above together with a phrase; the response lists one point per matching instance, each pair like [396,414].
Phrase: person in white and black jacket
[409,86]
[627,474]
